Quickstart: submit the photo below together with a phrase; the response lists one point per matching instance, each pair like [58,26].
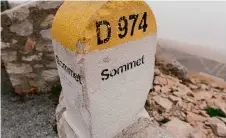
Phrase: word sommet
[76,76]
[106,73]
[122,27]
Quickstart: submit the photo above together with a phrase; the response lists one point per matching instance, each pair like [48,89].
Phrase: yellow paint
[75,22]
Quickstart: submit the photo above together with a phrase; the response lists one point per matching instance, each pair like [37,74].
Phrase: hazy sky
[192,22]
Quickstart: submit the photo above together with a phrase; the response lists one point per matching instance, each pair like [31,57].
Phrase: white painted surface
[104,108]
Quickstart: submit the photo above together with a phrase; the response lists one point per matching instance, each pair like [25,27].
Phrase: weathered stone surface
[32,57]
[218,127]
[52,65]
[46,34]
[38,66]
[15,80]
[16,68]
[24,28]
[203,95]
[160,80]
[29,45]
[14,41]
[19,14]
[49,4]
[46,47]
[47,21]
[163,102]
[8,56]
[50,75]
[192,118]
[4,45]
[179,128]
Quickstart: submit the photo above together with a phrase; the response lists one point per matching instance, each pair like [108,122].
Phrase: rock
[14,41]
[24,28]
[175,99]
[182,90]
[45,5]
[15,80]
[50,75]
[203,95]
[16,68]
[32,57]
[160,80]
[157,88]
[163,102]
[172,81]
[157,72]
[179,128]
[9,56]
[32,75]
[50,56]
[165,89]
[52,65]
[4,45]
[218,127]
[193,87]
[38,66]
[46,34]
[222,119]
[47,21]
[203,87]
[29,45]
[44,47]
[19,14]
[193,118]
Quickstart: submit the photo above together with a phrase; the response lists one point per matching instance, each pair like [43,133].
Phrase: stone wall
[26,46]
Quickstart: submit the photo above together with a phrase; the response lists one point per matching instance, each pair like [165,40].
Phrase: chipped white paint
[105,107]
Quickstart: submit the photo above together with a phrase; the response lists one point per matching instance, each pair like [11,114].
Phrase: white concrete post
[105,54]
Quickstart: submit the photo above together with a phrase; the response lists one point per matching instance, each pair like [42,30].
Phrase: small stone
[157,72]
[16,68]
[23,29]
[15,80]
[50,75]
[179,128]
[9,56]
[172,81]
[4,45]
[174,98]
[50,56]
[19,14]
[193,87]
[32,75]
[46,34]
[218,127]
[38,66]
[47,21]
[44,47]
[192,118]
[203,95]
[163,102]
[165,89]
[29,45]
[160,80]
[32,58]
[157,88]
[52,65]
[203,87]
[14,41]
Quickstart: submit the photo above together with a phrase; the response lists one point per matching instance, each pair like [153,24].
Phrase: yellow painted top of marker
[89,26]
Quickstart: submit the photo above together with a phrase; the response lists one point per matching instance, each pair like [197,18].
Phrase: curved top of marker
[75,24]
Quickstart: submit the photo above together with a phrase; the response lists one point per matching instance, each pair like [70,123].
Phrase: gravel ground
[30,116]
